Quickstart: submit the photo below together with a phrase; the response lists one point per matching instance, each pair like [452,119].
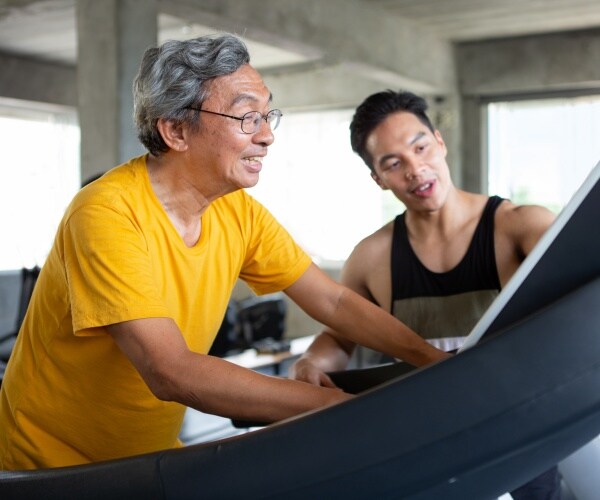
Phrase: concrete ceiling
[316,53]
[469,20]
[45,29]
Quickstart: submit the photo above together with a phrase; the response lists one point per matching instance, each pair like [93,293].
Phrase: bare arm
[327,353]
[366,272]
[518,229]
[357,320]
[529,223]
[157,349]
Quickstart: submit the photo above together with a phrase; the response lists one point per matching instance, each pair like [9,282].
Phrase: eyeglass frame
[278,114]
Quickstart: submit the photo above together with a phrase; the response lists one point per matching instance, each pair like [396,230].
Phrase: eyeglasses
[250,121]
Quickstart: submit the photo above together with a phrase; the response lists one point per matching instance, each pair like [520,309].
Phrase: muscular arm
[366,271]
[357,320]
[327,353]
[518,229]
[529,223]
[157,349]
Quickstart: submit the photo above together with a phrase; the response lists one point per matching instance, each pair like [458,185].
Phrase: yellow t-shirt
[69,395]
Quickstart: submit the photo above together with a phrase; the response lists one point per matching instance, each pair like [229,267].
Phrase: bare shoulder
[367,269]
[523,218]
[375,244]
[524,225]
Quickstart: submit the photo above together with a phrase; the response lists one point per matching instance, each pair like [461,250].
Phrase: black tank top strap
[483,248]
[403,258]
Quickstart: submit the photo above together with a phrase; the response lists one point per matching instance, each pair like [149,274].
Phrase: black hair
[375,109]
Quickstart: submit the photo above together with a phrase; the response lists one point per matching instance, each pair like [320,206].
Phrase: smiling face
[232,158]
[410,160]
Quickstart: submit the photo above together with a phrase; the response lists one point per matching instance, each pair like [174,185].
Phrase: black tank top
[445,305]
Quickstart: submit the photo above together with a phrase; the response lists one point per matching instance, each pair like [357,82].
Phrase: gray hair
[173,77]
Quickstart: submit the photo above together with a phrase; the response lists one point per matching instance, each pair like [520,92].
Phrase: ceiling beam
[541,63]
[31,80]
[328,87]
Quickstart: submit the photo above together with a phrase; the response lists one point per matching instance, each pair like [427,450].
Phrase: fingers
[309,373]
[317,377]
[325,381]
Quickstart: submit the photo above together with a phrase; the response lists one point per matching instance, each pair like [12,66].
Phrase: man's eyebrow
[416,138]
[247,98]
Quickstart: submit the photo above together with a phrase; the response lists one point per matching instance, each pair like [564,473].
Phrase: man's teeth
[424,187]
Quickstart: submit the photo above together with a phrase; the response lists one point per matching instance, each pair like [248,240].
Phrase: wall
[517,68]
[30,80]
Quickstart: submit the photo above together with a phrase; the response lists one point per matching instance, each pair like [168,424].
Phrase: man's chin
[249,181]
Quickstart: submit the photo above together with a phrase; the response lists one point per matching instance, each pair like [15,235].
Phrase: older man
[114,345]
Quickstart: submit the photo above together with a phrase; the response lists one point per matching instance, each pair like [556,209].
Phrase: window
[39,176]
[541,151]
[318,188]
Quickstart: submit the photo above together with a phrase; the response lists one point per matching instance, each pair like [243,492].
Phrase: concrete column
[474,131]
[112,35]
[445,114]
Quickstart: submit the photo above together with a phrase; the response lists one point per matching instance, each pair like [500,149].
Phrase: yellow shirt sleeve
[274,260]
[108,268]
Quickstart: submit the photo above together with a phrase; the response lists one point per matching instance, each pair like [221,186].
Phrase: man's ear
[172,133]
[379,182]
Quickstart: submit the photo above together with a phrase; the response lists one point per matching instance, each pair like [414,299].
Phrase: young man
[439,265]
[114,344]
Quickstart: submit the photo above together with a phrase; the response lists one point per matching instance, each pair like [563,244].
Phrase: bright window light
[312,182]
[39,176]
[318,188]
[541,151]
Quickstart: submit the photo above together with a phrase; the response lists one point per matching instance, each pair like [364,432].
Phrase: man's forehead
[240,87]
[398,130]
[244,97]
[399,124]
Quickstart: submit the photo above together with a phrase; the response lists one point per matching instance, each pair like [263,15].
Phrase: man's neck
[443,221]
[440,239]
[179,194]
[176,188]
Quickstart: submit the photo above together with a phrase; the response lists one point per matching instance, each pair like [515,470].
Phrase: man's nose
[264,135]
[412,166]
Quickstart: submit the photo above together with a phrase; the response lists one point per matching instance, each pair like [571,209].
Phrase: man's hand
[305,371]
